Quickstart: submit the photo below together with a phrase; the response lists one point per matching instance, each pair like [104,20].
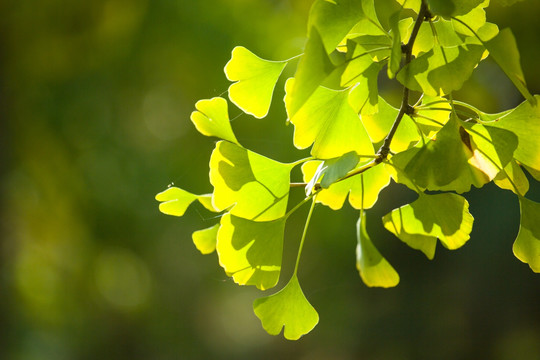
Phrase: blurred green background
[95,98]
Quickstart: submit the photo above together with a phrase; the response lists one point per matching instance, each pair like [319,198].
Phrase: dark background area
[95,99]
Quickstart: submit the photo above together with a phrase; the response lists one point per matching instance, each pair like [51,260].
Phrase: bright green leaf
[205,240]
[250,251]
[374,180]
[442,216]
[287,308]
[503,48]
[374,269]
[255,186]
[338,168]
[527,245]
[363,97]
[206,201]
[394,62]
[329,123]
[175,201]
[441,70]
[524,121]
[379,124]
[512,178]
[333,20]
[212,119]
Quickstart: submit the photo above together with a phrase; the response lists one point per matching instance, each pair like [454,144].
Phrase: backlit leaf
[287,308]
[329,123]
[333,20]
[205,240]
[255,81]
[452,7]
[250,251]
[212,119]
[175,201]
[524,122]
[503,48]
[255,186]
[441,70]
[375,179]
[512,178]
[338,168]
[442,216]
[374,269]
[527,245]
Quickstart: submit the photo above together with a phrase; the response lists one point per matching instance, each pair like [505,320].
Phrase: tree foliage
[433,144]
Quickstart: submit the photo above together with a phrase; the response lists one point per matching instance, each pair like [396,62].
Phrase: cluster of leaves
[437,144]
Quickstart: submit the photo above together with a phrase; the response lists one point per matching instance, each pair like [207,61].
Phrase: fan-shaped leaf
[287,308]
[175,201]
[255,186]
[329,123]
[205,240]
[512,178]
[250,251]
[442,69]
[212,119]
[255,81]
[452,7]
[374,269]
[442,216]
[527,244]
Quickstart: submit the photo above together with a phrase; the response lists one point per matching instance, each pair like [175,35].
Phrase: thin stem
[290,212]
[405,108]
[303,237]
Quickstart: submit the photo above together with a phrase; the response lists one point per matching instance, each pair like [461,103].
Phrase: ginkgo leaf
[442,69]
[255,186]
[250,251]
[452,7]
[313,68]
[329,123]
[442,216]
[527,244]
[175,201]
[364,96]
[374,269]
[212,119]
[512,178]
[503,49]
[475,19]
[457,158]
[432,115]
[379,124]
[287,309]
[338,168]
[206,201]
[524,122]
[205,239]
[333,20]
[374,180]
[394,62]
[255,81]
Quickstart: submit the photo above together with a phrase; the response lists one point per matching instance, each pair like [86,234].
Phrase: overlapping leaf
[250,251]
[287,309]
[374,180]
[527,244]
[457,158]
[255,186]
[212,119]
[255,81]
[524,122]
[329,123]
[453,7]
[442,216]
[374,269]
[512,178]
[441,70]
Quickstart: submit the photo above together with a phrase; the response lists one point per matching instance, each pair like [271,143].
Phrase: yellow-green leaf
[374,269]
[205,239]
[287,308]
[512,178]
[250,251]
[255,186]
[527,245]
[175,201]
[329,123]
[212,119]
[442,216]
[255,81]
